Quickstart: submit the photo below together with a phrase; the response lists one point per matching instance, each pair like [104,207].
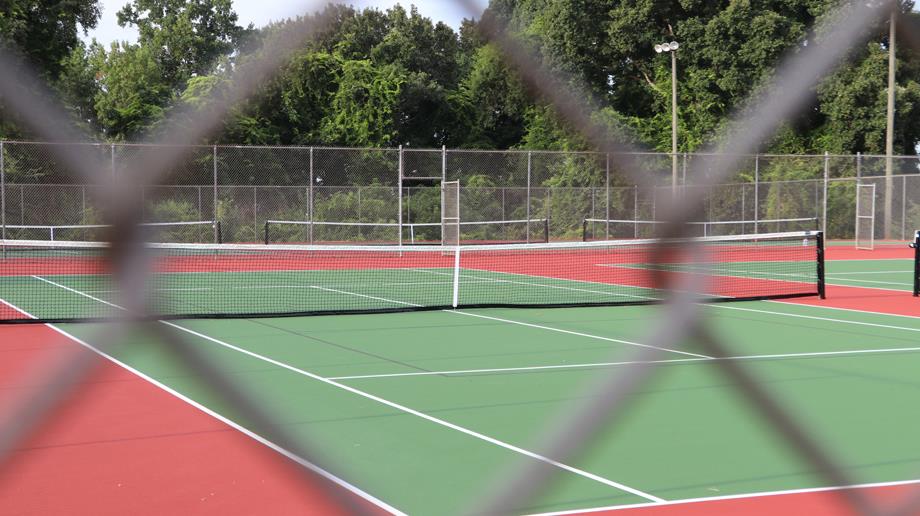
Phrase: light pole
[672,48]
[889,134]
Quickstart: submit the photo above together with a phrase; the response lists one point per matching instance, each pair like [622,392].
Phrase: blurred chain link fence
[393,195]
[318,194]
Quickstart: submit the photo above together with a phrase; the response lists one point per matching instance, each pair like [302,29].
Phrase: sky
[261,12]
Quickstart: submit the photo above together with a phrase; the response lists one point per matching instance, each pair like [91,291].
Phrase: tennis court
[422,412]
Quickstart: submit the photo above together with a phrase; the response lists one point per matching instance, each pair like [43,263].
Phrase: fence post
[858,167]
[607,200]
[443,180]
[529,157]
[2,192]
[686,158]
[756,193]
[112,160]
[310,204]
[214,186]
[827,170]
[635,211]
[255,213]
[903,207]
[399,218]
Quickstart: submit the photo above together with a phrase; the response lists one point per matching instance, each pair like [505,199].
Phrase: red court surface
[121,445]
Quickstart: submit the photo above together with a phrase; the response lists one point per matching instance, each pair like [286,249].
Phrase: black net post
[584,230]
[821,285]
[916,246]
[266,233]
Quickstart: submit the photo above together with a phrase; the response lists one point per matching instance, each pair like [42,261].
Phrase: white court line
[270,287]
[236,426]
[867,259]
[397,406]
[867,272]
[875,282]
[839,309]
[521,323]
[461,372]
[817,318]
[578,334]
[558,287]
[732,497]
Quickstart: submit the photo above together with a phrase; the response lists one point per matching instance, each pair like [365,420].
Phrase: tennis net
[601,229]
[187,232]
[71,281]
[490,232]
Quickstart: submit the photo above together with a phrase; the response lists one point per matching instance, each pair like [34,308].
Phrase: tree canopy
[395,77]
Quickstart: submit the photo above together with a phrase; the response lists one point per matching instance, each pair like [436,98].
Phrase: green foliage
[132,96]
[44,33]
[186,37]
[364,104]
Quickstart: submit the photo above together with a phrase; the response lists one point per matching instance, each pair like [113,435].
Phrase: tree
[186,37]
[44,33]
[133,93]
[45,36]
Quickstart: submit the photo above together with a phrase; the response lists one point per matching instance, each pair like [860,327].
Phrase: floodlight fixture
[659,48]
[673,45]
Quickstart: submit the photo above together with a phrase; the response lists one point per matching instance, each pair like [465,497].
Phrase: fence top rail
[456,151]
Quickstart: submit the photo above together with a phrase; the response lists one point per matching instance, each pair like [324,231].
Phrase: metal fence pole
[443,180]
[903,207]
[310,206]
[2,192]
[529,157]
[858,167]
[607,200]
[214,185]
[827,174]
[686,159]
[756,193]
[636,211]
[399,223]
[112,160]
[255,214]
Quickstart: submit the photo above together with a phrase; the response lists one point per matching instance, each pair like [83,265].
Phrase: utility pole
[889,137]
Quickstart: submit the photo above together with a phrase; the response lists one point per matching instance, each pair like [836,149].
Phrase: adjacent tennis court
[422,412]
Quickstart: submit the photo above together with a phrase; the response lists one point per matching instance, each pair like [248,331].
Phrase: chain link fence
[346,195]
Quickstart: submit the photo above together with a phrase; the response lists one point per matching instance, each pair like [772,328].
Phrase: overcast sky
[261,12]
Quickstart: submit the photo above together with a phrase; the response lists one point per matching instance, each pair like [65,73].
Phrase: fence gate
[865,216]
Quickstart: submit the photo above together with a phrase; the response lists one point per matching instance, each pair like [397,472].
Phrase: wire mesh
[364,185]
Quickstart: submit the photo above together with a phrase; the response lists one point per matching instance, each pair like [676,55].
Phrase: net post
[455,298]
[916,246]
[220,232]
[265,232]
[584,229]
[546,230]
[822,293]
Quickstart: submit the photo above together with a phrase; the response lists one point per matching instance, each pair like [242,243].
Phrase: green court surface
[427,411]
[895,274]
